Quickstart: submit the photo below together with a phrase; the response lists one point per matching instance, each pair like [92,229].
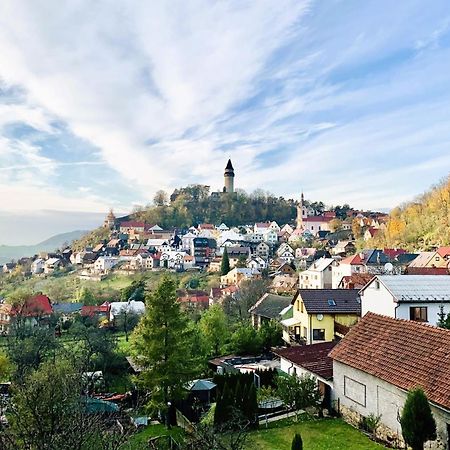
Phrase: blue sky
[102,104]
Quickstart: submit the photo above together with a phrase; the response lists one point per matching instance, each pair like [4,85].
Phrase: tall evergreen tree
[225,266]
[417,421]
[297,443]
[163,346]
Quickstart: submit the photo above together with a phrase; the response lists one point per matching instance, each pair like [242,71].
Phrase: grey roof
[271,305]
[407,288]
[330,301]
[201,385]
[67,308]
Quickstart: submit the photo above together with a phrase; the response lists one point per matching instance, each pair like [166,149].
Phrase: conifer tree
[163,346]
[297,443]
[225,265]
[417,421]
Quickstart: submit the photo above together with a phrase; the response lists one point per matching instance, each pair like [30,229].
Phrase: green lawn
[325,434]
[139,440]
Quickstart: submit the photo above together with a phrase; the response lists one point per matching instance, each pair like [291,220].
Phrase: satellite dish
[388,267]
[319,317]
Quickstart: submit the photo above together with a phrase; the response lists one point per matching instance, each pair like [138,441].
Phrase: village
[366,324]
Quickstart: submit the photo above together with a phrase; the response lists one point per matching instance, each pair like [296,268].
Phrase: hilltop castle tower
[229,178]
[110,220]
[301,213]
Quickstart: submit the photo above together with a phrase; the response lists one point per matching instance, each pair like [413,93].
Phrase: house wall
[361,394]
[377,300]
[432,310]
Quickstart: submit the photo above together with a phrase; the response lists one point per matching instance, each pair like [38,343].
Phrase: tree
[297,443]
[271,334]
[135,291]
[245,340]
[335,224]
[249,293]
[241,262]
[225,265]
[298,392]
[417,421]
[161,198]
[162,343]
[214,329]
[86,297]
[443,319]
[127,321]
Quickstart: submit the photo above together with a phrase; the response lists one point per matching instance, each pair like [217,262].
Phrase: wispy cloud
[104,103]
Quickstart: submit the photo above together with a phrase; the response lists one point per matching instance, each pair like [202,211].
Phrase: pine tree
[417,421]
[163,345]
[251,406]
[297,443]
[225,266]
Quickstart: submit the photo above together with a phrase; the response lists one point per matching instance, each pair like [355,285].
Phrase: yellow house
[236,275]
[321,315]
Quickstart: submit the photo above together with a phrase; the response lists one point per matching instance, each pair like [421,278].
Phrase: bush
[297,443]
[370,423]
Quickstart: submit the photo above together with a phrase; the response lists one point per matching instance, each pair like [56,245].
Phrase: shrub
[297,443]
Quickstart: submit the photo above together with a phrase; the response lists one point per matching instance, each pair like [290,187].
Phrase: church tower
[110,220]
[300,213]
[229,178]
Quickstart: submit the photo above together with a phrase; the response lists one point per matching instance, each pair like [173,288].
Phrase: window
[377,284]
[318,334]
[418,313]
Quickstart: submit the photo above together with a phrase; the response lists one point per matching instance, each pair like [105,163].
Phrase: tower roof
[229,165]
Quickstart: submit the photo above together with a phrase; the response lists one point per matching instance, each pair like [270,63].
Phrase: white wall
[293,369]
[377,300]
[433,310]
[367,394]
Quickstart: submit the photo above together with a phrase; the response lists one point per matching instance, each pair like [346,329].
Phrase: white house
[379,360]
[173,259]
[271,237]
[274,226]
[51,265]
[262,250]
[318,275]
[412,297]
[256,262]
[186,241]
[160,245]
[104,264]
[346,268]
[287,228]
[37,266]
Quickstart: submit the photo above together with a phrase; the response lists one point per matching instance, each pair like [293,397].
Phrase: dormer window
[331,302]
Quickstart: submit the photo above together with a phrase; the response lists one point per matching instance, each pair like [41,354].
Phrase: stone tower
[301,213]
[110,220]
[229,178]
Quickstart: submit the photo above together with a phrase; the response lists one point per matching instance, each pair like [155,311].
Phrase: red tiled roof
[90,311]
[34,306]
[393,252]
[132,224]
[443,251]
[354,260]
[206,226]
[313,358]
[404,353]
[317,219]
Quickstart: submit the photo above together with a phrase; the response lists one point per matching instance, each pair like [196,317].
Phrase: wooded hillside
[421,224]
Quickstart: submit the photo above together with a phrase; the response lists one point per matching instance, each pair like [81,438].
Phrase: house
[429,263]
[314,224]
[282,268]
[132,226]
[100,312]
[379,360]
[283,248]
[188,262]
[274,226]
[310,360]
[413,297]
[370,233]
[238,274]
[256,263]
[318,275]
[270,237]
[268,307]
[222,227]
[9,267]
[261,227]
[355,281]
[172,260]
[193,299]
[287,228]
[186,241]
[321,315]
[236,254]
[284,284]
[203,250]
[104,264]
[37,266]
[344,248]
[34,310]
[262,250]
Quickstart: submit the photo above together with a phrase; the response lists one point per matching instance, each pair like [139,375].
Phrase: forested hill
[421,224]
[194,204]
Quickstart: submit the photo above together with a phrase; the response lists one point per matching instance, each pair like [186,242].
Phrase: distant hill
[422,224]
[9,252]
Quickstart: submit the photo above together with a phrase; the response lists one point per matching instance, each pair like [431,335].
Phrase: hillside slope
[9,252]
[421,224]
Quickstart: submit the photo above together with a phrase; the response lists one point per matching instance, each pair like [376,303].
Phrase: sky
[104,103]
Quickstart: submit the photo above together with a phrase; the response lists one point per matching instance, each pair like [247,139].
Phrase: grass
[324,434]
[139,440]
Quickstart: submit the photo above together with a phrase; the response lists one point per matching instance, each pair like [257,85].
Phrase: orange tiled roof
[404,353]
